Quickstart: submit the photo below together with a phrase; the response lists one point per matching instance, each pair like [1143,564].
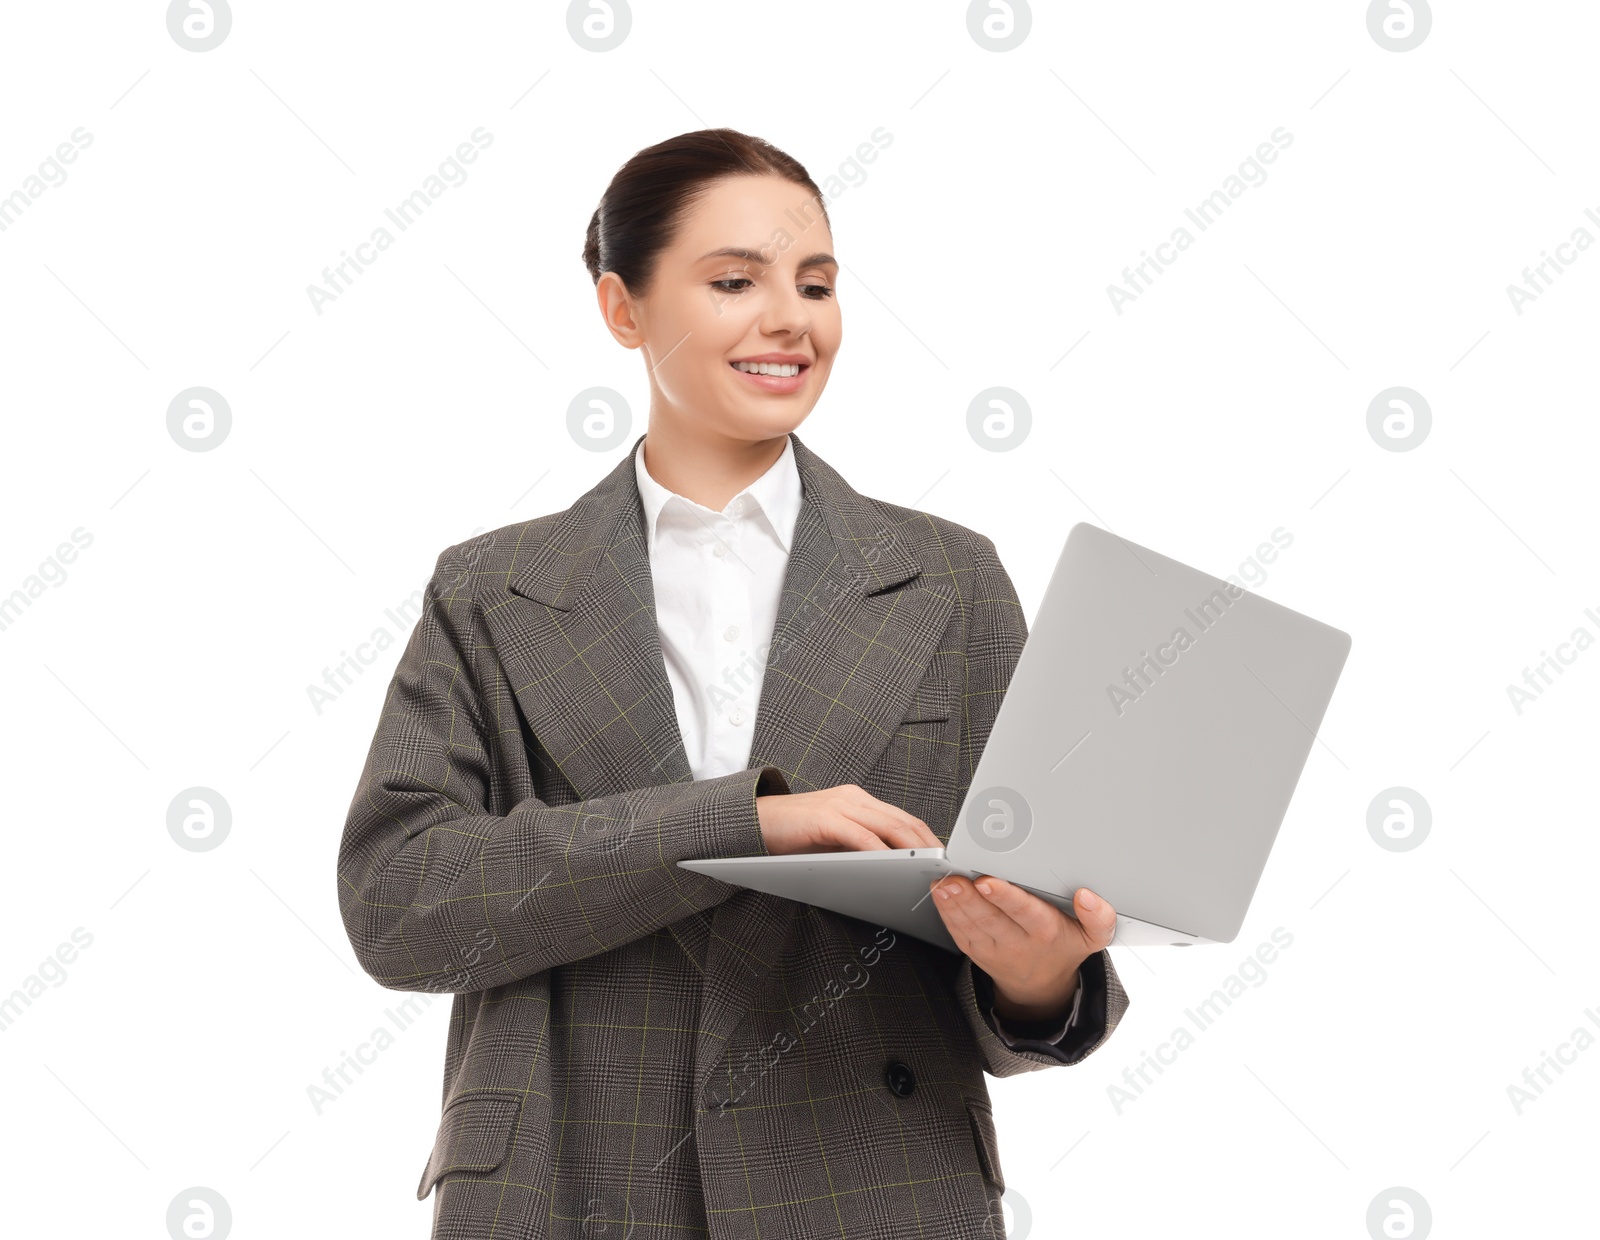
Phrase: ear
[618,310]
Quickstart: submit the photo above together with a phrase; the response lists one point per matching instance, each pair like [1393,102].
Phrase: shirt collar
[776,495]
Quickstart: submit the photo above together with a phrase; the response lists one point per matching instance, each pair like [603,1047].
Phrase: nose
[789,314]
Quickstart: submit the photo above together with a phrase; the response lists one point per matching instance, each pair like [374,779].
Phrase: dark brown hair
[648,197]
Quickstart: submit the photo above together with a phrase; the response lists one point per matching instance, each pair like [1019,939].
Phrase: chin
[766,424]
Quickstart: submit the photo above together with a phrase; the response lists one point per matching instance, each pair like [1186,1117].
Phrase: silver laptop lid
[1150,739]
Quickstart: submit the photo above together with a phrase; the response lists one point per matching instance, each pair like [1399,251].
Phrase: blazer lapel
[577,632]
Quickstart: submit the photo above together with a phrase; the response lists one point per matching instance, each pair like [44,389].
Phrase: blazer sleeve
[996,633]
[438,894]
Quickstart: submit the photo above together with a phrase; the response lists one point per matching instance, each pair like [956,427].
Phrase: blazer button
[899,1078]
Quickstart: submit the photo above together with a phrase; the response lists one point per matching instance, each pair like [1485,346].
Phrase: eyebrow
[819,259]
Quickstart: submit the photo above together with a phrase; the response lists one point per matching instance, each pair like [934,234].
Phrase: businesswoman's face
[749,280]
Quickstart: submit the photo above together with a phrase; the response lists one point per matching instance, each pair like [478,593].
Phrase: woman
[720,650]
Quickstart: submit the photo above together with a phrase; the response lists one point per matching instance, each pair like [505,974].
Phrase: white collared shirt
[718,580]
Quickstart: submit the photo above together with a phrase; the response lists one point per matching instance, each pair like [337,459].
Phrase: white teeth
[767,368]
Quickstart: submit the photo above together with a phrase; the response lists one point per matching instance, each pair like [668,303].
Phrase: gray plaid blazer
[637,1050]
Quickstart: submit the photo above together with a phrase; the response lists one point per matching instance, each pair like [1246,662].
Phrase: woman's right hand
[846,818]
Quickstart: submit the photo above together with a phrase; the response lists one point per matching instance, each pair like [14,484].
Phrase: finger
[894,812]
[955,920]
[905,825]
[1038,918]
[831,831]
[843,835]
[984,925]
[899,832]
[957,929]
[1096,918]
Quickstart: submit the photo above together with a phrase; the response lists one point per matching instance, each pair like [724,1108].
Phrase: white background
[429,401]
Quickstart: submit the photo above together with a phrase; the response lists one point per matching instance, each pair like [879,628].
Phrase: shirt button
[737,717]
[731,633]
[720,550]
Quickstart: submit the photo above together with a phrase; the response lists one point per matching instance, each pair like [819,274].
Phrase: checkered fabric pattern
[635,1049]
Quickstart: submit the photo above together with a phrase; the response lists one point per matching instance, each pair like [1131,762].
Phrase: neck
[705,466]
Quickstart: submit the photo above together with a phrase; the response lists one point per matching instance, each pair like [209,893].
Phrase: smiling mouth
[776,370]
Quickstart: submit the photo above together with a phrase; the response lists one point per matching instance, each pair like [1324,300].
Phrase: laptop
[1147,747]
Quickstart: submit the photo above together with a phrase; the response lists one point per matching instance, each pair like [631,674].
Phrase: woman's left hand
[1029,947]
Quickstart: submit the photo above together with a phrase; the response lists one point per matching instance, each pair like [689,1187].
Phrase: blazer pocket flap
[985,1138]
[474,1135]
[933,702]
